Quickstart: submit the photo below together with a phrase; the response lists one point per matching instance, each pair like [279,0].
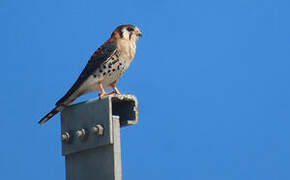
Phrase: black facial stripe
[128,27]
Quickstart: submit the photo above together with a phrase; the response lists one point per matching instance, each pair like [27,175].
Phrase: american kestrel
[104,68]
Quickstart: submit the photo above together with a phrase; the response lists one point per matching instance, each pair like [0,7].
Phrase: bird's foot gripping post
[91,136]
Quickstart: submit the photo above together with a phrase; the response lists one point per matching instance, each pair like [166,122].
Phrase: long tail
[51,114]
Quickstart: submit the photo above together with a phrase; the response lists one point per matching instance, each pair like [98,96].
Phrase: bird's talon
[105,94]
[101,94]
[112,92]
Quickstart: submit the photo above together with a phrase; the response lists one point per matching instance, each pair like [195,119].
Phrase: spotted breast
[111,70]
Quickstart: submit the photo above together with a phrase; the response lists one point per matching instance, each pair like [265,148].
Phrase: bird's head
[127,31]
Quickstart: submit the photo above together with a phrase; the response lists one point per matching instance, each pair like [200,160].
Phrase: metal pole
[91,136]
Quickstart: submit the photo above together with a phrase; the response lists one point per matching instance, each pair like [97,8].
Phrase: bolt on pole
[90,134]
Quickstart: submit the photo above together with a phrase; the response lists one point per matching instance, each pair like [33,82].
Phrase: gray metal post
[91,136]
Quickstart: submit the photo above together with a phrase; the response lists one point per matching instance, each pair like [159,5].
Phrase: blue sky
[211,77]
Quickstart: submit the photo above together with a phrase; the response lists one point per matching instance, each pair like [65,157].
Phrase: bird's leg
[103,92]
[115,89]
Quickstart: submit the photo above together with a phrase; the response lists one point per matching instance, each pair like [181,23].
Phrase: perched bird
[104,68]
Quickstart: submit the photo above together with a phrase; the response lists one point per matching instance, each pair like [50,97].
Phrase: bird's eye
[130,29]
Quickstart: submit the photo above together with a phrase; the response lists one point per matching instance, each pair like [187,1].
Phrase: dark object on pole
[90,133]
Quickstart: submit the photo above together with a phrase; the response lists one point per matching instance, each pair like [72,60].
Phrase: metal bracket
[90,134]
[79,122]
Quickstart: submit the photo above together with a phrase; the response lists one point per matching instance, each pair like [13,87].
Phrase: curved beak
[140,34]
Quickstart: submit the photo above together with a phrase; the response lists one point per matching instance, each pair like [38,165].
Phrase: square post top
[88,124]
